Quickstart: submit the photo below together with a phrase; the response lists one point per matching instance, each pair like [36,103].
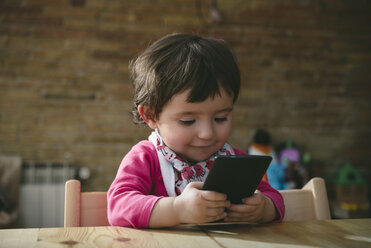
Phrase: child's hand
[199,206]
[256,209]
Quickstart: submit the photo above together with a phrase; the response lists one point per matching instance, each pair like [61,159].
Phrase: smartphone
[237,176]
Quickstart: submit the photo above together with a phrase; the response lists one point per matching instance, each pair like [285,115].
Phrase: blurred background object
[10,171]
[351,193]
[262,145]
[65,89]
[42,193]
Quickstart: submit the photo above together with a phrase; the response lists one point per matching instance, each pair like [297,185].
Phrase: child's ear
[147,115]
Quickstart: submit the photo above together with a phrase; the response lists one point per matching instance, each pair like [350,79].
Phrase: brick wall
[64,85]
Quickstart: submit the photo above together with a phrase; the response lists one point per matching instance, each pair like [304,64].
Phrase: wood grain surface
[323,233]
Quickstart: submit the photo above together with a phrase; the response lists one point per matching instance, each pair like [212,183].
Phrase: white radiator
[42,194]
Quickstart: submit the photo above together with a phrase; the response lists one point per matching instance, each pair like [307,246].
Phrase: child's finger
[214,212]
[239,214]
[255,199]
[218,204]
[216,217]
[243,216]
[213,196]
[242,208]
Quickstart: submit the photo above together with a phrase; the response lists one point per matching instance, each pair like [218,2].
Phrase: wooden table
[330,233]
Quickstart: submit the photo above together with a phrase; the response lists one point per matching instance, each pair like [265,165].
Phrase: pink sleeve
[270,192]
[129,198]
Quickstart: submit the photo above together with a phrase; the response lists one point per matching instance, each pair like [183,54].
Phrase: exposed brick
[33,20]
[64,80]
[20,9]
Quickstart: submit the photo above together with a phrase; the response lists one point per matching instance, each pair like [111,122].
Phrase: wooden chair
[90,208]
[308,203]
[84,208]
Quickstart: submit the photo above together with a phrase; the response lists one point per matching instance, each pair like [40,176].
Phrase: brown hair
[178,62]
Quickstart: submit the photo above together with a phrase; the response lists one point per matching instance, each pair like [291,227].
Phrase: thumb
[197,185]
[255,199]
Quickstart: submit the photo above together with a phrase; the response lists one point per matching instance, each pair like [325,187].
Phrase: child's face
[195,131]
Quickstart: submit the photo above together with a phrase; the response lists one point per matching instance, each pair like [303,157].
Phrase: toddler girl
[185,88]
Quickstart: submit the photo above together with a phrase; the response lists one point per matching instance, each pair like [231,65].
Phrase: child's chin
[195,159]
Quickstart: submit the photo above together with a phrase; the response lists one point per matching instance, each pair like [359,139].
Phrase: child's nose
[206,131]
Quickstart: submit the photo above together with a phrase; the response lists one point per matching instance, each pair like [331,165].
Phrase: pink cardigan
[139,185]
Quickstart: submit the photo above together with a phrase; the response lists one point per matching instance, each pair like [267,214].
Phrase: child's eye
[187,122]
[220,119]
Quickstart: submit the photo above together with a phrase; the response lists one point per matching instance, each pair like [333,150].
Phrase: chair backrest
[308,203]
[90,208]
[84,208]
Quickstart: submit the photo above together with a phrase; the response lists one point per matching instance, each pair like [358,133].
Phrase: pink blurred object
[290,154]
